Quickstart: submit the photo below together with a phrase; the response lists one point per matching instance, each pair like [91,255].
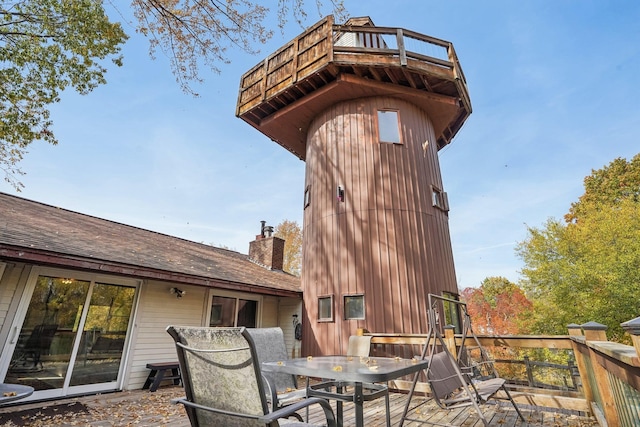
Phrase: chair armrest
[295,407]
[271,392]
[185,402]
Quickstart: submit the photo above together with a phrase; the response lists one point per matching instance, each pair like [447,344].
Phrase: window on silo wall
[354,307]
[325,308]
[389,126]
[307,196]
[439,199]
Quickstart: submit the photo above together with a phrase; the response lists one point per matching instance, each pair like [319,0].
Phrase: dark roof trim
[41,257]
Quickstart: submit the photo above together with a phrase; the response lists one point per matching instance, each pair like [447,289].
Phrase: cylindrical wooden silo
[368,109]
[382,239]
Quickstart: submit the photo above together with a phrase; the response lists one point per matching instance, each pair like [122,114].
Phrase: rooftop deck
[143,408]
[330,63]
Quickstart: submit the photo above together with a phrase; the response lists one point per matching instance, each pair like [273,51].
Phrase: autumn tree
[47,46]
[198,33]
[586,268]
[497,307]
[291,232]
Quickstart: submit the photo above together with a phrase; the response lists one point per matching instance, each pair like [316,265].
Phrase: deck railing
[402,45]
[607,386]
[325,42]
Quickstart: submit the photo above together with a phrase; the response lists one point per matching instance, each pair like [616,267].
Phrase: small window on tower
[439,199]
[325,308]
[307,196]
[354,307]
[389,126]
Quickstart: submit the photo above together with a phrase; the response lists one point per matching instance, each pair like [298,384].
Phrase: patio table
[11,392]
[357,370]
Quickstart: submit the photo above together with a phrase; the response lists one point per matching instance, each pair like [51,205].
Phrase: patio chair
[453,388]
[359,346]
[221,377]
[282,389]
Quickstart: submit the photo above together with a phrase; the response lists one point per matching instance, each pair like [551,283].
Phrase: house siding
[288,307]
[157,309]
[13,276]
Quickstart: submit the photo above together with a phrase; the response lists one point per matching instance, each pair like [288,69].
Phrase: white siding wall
[11,285]
[269,312]
[158,308]
[288,307]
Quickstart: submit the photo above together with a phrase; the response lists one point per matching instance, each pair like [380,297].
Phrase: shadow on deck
[140,407]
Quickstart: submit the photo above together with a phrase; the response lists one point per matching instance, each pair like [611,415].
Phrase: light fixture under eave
[179,293]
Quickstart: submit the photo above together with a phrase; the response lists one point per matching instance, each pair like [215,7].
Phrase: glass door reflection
[45,344]
[103,335]
[73,334]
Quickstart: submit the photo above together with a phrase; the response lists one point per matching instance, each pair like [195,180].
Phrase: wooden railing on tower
[318,56]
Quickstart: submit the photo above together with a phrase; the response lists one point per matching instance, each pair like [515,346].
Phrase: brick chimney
[267,250]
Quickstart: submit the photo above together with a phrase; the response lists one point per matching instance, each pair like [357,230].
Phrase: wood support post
[576,331]
[450,340]
[633,328]
[597,332]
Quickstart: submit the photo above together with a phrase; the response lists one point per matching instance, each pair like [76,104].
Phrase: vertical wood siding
[385,240]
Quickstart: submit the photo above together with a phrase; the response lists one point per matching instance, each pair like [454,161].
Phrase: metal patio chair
[282,389]
[222,380]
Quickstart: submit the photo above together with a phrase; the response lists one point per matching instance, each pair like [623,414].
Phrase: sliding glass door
[72,335]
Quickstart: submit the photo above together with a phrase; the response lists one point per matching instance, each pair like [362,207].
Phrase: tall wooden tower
[367,108]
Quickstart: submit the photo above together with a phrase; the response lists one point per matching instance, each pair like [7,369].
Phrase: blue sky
[553,86]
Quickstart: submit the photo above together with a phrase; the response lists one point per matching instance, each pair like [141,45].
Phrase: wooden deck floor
[497,415]
[143,408]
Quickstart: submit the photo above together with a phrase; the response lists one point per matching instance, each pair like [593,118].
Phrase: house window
[307,196]
[325,308]
[439,199]
[234,310]
[354,307]
[388,126]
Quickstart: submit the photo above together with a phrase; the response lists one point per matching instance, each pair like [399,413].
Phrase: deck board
[498,415]
[141,407]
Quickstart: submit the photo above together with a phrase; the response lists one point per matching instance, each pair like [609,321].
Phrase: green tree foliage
[45,47]
[586,268]
[604,188]
[497,307]
[291,232]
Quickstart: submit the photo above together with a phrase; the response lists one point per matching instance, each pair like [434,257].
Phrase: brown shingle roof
[37,232]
